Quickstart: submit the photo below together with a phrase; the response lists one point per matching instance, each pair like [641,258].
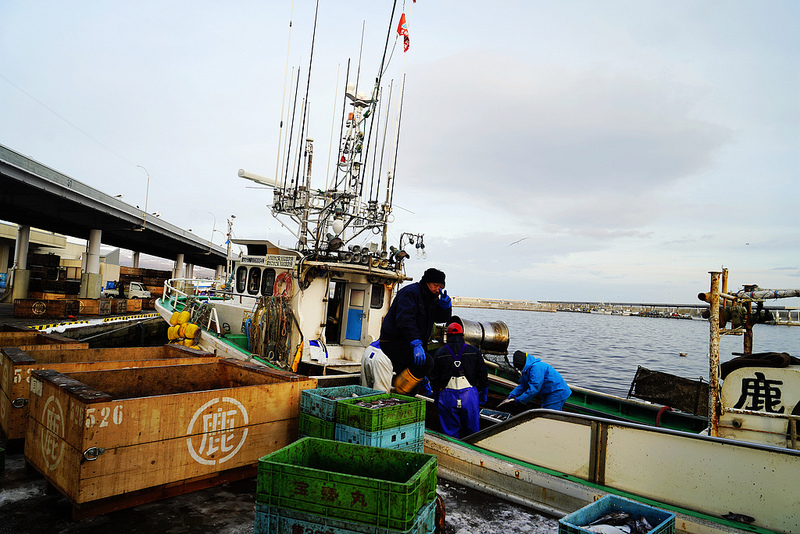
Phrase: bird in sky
[517,241]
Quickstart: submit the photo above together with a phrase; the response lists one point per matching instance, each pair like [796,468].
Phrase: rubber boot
[405,382]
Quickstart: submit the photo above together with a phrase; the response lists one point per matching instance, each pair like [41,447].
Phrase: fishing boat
[738,476]
[313,307]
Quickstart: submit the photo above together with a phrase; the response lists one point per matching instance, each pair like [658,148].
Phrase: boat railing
[182,291]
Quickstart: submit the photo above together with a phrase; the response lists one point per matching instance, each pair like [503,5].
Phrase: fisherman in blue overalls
[460,383]
[538,378]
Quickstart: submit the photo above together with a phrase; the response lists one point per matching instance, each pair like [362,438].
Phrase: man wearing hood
[538,378]
[408,325]
[460,382]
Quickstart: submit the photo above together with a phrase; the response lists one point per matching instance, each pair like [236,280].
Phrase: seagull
[517,241]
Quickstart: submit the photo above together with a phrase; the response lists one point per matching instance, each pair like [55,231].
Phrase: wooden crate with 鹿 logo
[114,439]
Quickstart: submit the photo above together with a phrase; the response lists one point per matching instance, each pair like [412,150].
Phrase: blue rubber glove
[444,300]
[419,352]
[426,387]
[484,396]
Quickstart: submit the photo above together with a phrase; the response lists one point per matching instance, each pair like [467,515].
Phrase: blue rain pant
[459,422]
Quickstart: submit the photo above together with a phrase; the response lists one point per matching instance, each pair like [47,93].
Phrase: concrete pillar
[91,280]
[220,272]
[22,275]
[189,289]
[177,272]
[93,256]
[135,260]
[21,247]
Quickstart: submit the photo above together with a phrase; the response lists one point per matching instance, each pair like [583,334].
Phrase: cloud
[552,132]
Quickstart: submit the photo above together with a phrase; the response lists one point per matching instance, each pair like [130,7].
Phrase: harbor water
[602,352]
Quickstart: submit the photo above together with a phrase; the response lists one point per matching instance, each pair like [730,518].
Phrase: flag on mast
[402,29]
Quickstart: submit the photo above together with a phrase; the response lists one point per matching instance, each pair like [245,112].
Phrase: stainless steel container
[488,336]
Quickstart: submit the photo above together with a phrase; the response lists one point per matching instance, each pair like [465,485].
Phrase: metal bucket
[489,336]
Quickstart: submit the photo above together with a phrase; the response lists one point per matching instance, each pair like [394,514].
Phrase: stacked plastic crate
[384,420]
[318,485]
[318,409]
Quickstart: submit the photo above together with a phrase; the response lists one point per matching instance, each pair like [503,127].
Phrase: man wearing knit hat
[538,378]
[460,382]
[408,325]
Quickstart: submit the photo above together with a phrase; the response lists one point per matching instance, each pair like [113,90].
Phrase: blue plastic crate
[321,402]
[663,522]
[399,437]
[272,520]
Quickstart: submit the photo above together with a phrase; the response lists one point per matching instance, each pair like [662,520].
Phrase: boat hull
[569,460]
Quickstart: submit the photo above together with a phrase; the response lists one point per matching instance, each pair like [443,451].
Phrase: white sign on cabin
[277,261]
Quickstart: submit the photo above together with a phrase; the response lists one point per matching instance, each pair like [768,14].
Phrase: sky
[610,151]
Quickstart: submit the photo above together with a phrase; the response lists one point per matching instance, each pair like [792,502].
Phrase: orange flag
[402,29]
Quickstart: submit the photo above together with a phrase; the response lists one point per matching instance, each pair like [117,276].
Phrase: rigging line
[375,153]
[397,140]
[54,112]
[360,53]
[308,88]
[291,131]
[341,128]
[383,146]
[386,46]
[285,136]
[333,125]
[283,98]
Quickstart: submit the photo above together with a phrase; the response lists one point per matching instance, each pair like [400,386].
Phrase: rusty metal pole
[713,355]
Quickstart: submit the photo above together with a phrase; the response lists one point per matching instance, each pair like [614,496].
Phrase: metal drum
[489,336]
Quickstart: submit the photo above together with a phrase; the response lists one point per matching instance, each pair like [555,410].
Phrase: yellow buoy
[192,331]
[173,332]
[182,329]
[188,342]
[184,317]
[174,319]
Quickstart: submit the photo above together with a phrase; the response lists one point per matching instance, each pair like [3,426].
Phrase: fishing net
[685,394]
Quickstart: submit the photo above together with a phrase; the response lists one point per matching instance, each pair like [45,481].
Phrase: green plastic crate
[314,427]
[381,487]
[412,410]
[271,520]
[663,522]
[321,402]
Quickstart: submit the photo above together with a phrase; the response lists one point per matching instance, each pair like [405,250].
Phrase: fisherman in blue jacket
[460,383]
[538,378]
[408,325]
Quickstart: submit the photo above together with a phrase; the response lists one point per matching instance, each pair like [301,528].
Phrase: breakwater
[782,315]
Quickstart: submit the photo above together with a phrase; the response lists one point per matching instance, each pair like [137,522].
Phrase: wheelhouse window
[268,282]
[376,300]
[241,279]
[254,280]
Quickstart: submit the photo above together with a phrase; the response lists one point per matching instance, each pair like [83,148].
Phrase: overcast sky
[561,150]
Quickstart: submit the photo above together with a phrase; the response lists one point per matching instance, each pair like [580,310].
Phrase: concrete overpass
[34,195]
